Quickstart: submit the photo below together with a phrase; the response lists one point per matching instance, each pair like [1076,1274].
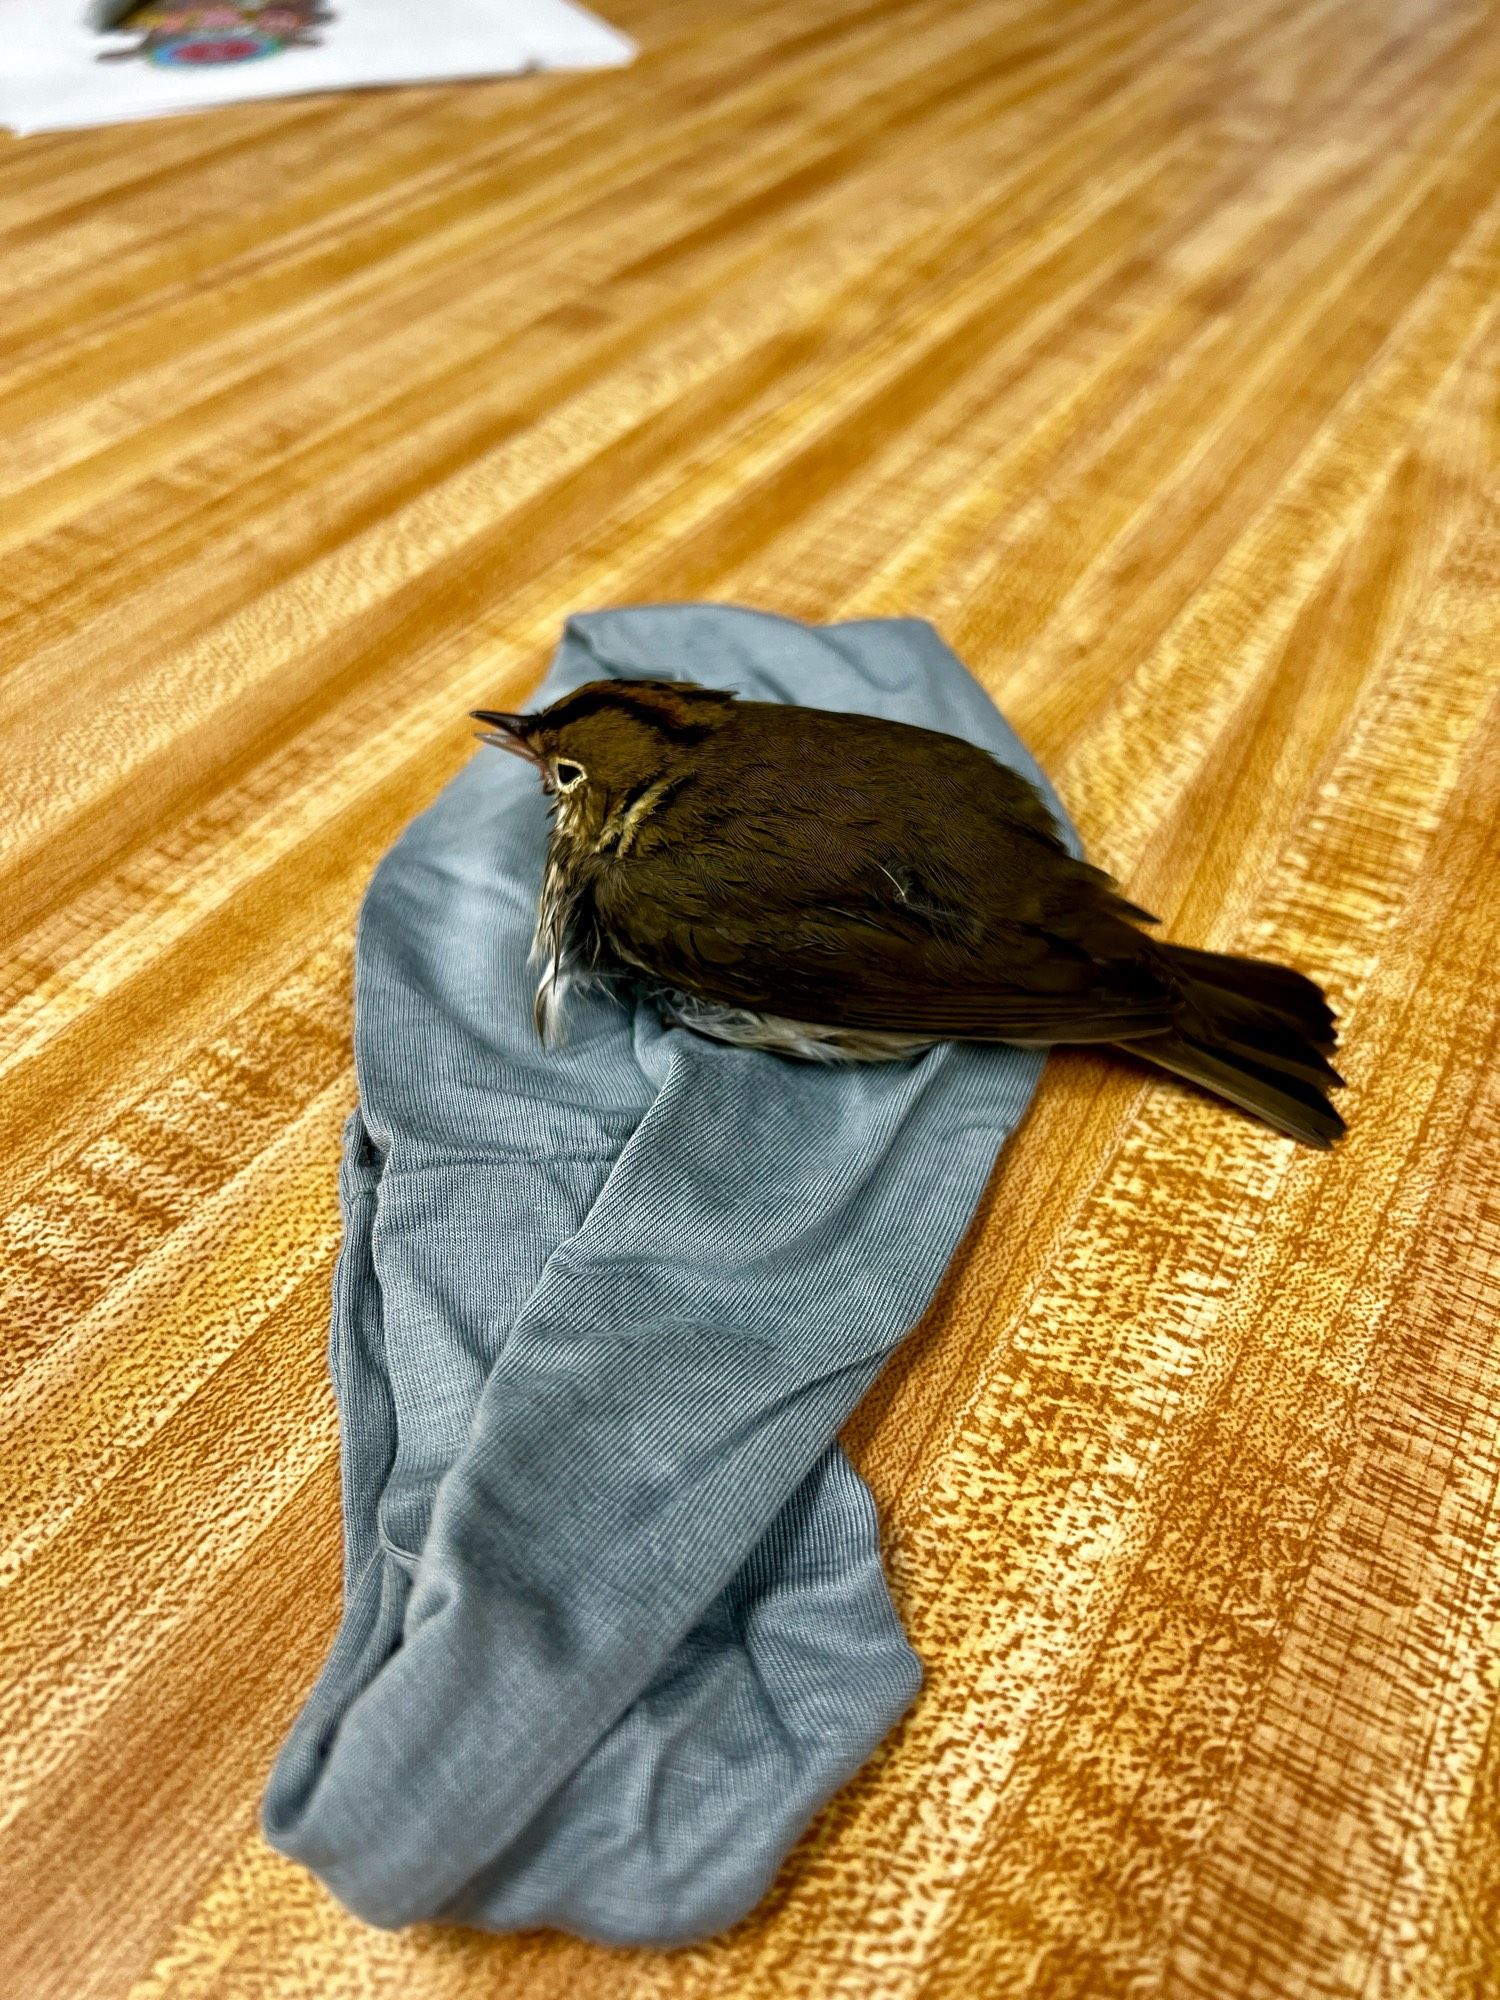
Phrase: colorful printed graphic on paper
[230,31]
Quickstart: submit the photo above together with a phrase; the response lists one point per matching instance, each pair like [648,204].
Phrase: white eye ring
[566,774]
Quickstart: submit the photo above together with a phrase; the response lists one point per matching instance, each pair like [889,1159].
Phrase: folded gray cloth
[615,1622]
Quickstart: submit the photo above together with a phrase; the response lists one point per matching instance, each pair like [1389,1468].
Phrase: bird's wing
[882,944]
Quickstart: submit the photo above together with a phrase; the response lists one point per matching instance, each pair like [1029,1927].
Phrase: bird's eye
[568,775]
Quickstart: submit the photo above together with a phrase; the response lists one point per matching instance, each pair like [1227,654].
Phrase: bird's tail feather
[1296,1108]
[1292,995]
[1254,1033]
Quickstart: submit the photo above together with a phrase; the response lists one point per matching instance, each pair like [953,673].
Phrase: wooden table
[1148,347]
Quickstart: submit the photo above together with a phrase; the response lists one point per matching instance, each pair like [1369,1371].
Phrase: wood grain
[1147,346]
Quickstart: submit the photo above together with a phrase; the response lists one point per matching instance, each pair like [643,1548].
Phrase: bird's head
[611,752]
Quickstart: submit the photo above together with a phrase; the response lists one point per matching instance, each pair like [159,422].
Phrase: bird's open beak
[505,732]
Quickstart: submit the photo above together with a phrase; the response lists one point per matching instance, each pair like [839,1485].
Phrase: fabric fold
[615,1621]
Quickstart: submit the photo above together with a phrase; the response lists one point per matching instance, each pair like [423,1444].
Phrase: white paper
[57,70]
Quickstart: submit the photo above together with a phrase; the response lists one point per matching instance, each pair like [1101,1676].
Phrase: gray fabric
[615,1621]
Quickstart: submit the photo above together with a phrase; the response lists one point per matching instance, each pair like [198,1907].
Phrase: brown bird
[839,888]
